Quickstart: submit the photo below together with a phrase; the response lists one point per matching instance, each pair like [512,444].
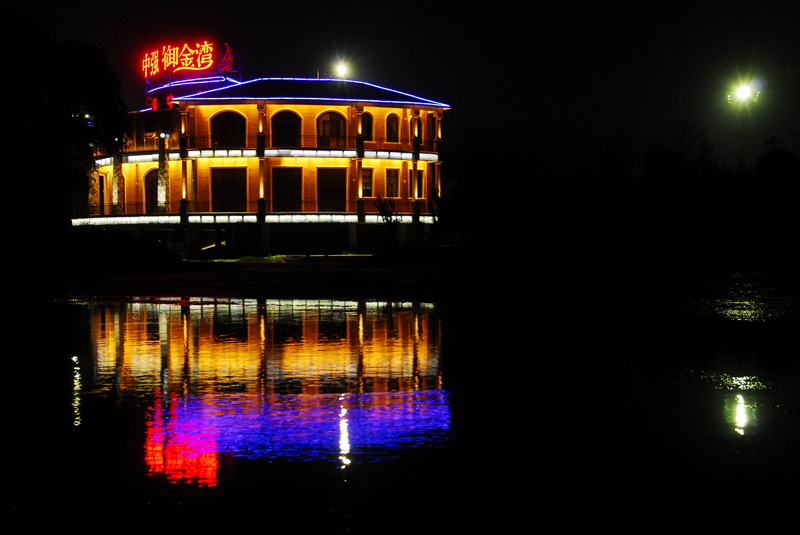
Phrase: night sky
[568,76]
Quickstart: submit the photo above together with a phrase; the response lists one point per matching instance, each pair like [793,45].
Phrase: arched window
[228,130]
[151,192]
[392,128]
[286,129]
[331,130]
[366,126]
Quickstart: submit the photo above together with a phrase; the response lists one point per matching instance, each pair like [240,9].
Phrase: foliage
[690,142]
[62,115]
[386,209]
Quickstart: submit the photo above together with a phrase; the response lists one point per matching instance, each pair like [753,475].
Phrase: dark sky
[575,74]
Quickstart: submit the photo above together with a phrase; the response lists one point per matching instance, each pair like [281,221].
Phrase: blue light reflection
[301,427]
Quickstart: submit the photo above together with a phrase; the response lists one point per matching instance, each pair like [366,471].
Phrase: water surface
[200,413]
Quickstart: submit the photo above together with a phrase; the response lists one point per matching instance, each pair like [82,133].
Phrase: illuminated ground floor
[235,181]
[233,202]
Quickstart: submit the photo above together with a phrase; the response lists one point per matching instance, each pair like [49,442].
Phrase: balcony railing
[150,143]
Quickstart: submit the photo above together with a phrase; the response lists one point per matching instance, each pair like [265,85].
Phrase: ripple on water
[757,298]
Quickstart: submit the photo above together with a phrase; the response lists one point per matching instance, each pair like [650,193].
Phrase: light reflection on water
[738,402]
[740,414]
[284,407]
[753,298]
[334,380]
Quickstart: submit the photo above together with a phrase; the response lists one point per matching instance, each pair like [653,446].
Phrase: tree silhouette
[65,108]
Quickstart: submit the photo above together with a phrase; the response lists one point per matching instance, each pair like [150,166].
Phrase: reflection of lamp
[741,415]
[76,391]
[344,436]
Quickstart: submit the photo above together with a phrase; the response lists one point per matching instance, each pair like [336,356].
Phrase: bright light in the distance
[743,92]
[746,91]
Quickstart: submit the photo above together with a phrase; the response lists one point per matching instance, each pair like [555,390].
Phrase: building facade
[271,161]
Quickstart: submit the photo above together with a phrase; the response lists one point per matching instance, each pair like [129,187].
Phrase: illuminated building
[270,160]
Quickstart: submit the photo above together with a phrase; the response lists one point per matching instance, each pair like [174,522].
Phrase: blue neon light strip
[197,81]
[208,95]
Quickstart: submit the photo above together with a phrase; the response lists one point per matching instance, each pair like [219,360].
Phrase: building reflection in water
[272,379]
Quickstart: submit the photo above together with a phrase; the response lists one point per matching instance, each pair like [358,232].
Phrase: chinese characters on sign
[172,59]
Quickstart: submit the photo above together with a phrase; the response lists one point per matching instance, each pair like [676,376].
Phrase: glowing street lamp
[341,70]
[744,93]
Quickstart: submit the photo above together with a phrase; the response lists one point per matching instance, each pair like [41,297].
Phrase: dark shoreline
[548,282]
[344,276]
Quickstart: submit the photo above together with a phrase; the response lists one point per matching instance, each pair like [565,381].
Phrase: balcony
[257,143]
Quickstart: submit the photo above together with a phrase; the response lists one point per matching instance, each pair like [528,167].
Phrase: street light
[745,93]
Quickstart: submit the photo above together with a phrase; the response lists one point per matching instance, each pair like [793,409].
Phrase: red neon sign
[171,59]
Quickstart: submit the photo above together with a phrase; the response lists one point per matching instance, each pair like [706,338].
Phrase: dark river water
[203,414]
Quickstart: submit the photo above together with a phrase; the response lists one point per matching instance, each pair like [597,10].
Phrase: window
[229,189]
[285,129]
[366,126]
[331,130]
[101,197]
[416,127]
[332,190]
[228,130]
[430,129]
[433,186]
[366,182]
[414,184]
[151,192]
[392,128]
[287,189]
[392,183]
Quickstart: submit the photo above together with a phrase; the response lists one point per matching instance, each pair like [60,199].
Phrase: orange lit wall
[194,121]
